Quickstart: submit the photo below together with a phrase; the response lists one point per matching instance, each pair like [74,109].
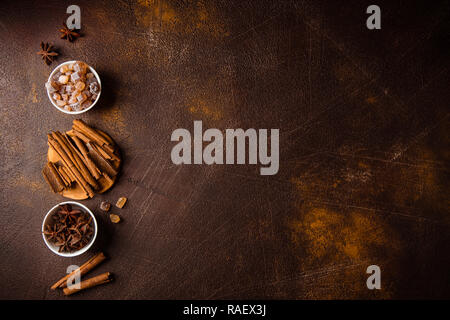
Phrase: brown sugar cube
[73,100]
[80,67]
[86,104]
[70,88]
[121,202]
[81,98]
[63,79]
[60,103]
[56,76]
[79,85]
[52,86]
[74,77]
[64,68]
[75,106]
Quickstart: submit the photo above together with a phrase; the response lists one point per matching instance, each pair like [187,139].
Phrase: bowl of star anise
[69,229]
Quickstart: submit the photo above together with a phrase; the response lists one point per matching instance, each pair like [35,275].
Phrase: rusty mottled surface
[364,147]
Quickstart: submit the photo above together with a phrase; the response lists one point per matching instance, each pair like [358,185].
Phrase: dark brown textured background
[364,147]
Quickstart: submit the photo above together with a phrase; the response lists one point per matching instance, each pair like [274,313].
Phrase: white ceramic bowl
[54,248]
[74,112]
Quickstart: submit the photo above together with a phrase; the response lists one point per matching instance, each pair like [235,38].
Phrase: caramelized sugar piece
[114,218]
[121,202]
[105,206]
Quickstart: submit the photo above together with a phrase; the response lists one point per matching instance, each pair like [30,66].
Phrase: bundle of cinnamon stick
[85,284]
[86,157]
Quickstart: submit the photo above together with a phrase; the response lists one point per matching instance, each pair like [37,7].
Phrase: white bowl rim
[82,250]
[81,111]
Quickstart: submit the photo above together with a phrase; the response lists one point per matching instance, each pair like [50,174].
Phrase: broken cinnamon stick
[106,153]
[90,164]
[101,162]
[86,139]
[53,178]
[69,174]
[70,143]
[89,132]
[64,176]
[101,151]
[89,283]
[107,178]
[85,268]
[78,134]
[55,171]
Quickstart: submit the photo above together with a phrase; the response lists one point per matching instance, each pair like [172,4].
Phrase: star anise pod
[46,52]
[66,214]
[64,246]
[51,232]
[74,240]
[69,34]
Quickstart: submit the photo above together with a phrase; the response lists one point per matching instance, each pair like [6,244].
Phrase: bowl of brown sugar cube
[73,87]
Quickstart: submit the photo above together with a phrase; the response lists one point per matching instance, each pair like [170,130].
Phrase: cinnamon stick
[64,176]
[76,159]
[74,148]
[79,135]
[90,164]
[101,162]
[79,125]
[109,148]
[55,171]
[53,178]
[107,153]
[69,174]
[85,268]
[107,178]
[82,163]
[101,151]
[70,165]
[58,137]
[89,283]
[86,139]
